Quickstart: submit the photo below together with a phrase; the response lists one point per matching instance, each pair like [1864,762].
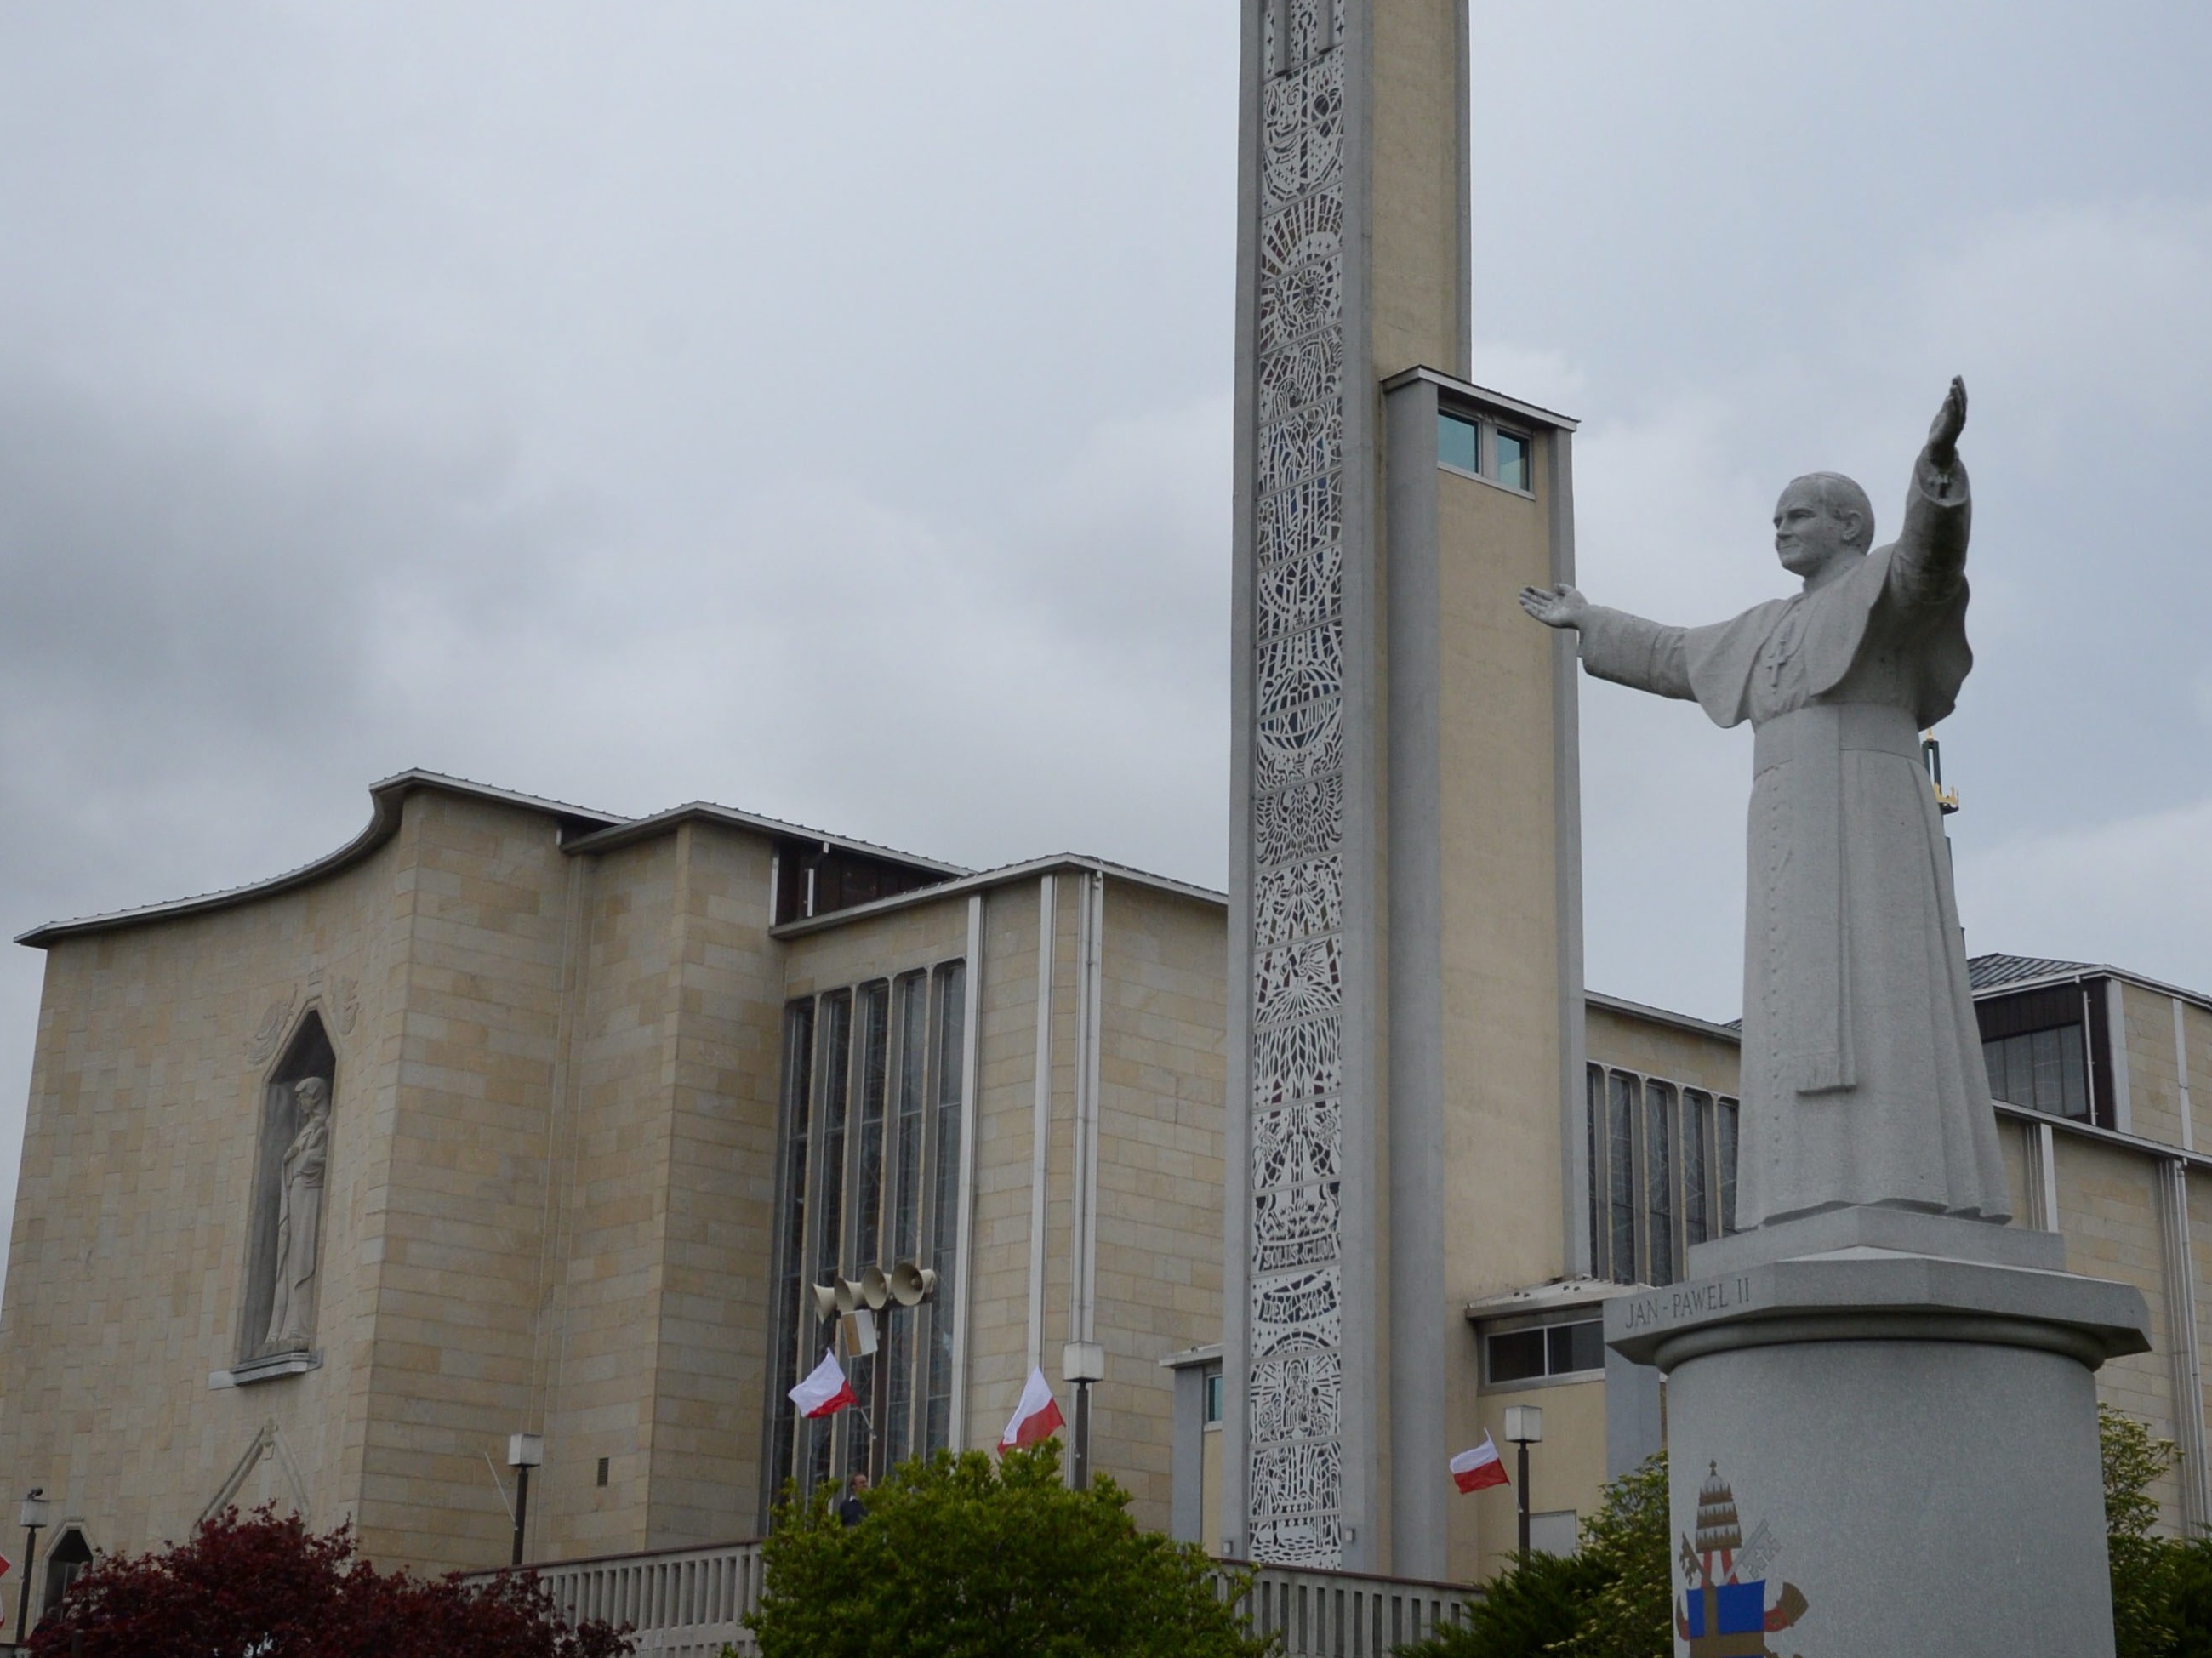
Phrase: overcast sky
[825,410]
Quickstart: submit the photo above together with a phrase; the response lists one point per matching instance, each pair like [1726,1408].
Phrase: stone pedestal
[1881,1432]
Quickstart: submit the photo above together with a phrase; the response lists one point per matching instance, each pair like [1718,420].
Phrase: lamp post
[1082,1363]
[524,1453]
[1524,1426]
[37,1513]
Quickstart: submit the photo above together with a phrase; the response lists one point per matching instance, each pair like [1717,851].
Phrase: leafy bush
[2143,1566]
[959,1556]
[1527,1610]
[2189,1602]
[1613,1600]
[264,1587]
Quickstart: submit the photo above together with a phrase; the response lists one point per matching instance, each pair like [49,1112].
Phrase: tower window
[1513,461]
[1459,443]
[1469,443]
[603,1471]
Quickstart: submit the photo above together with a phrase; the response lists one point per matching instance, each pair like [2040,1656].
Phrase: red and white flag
[1037,1417]
[1472,1469]
[827,1391]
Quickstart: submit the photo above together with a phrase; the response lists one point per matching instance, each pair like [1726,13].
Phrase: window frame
[1608,1090]
[1487,432]
[837,1036]
[1543,1323]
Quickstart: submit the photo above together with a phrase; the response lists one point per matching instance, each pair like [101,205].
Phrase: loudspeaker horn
[873,1290]
[848,1296]
[826,1301]
[911,1285]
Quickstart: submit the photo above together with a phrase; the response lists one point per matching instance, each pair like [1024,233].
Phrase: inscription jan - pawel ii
[1681,1301]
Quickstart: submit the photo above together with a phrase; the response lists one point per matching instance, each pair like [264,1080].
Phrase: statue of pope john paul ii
[1863,1075]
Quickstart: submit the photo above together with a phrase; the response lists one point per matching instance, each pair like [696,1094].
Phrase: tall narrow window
[1593,1114]
[944,1207]
[867,1156]
[1513,460]
[834,1069]
[1458,443]
[1726,1121]
[1659,1181]
[1620,1172]
[1696,1161]
[912,1021]
[791,1314]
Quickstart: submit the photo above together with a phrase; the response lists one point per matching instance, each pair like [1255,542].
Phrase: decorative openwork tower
[1404,806]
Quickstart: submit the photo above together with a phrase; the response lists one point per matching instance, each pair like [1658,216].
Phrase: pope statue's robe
[1863,1075]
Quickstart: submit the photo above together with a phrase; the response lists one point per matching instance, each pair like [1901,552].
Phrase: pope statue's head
[1822,519]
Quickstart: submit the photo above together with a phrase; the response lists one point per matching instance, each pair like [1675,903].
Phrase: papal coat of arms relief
[1724,1614]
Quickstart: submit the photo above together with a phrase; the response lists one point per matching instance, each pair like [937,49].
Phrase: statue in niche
[1863,1075]
[299,1182]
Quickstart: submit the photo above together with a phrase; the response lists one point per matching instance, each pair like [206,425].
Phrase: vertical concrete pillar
[1403,1036]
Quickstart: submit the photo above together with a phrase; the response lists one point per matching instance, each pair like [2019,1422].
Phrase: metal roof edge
[2097,970]
[1469,389]
[628,831]
[1547,1296]
[1004,875]
[2029,1113]
[1663,1016]
[1183,1359]
[386,799]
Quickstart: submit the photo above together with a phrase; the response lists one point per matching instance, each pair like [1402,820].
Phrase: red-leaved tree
[259,1587]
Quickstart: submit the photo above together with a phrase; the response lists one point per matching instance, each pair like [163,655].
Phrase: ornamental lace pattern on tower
[1296,1383]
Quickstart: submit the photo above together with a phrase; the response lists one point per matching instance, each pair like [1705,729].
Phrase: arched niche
[290,1179]
[64,1563]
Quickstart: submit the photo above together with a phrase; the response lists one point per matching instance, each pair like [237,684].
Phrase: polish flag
[826,1391]
[1037,1417]
[1472,1469]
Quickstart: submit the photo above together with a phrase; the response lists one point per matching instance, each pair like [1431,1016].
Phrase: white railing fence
[680,1603]
[1349,1614]
[690,1603]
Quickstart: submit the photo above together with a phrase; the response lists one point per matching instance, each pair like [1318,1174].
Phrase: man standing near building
[853,1510]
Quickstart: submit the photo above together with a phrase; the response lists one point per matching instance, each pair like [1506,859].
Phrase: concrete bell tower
[1406,1122]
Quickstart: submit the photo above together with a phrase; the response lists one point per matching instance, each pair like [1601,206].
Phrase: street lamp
[1524,1426]
[524,1453]
[37,1513]
[1082,1363]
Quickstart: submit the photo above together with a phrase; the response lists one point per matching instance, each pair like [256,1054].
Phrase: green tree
[2145,1567]
[1633,1616]
[959,1557]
